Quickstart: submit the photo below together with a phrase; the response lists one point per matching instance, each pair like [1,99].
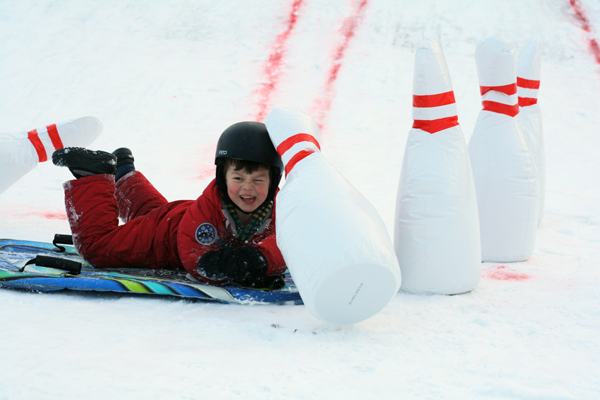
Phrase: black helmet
[248,141]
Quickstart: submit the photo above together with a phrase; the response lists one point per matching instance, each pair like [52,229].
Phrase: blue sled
[14,254]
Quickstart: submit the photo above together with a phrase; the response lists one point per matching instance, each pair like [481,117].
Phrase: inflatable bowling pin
[334,242]
[436,235]
[528,84]
[504,171]
[21,152]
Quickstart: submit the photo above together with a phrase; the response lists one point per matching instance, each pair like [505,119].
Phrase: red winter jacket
[156,233]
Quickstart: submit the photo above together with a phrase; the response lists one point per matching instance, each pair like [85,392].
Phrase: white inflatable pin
[436,235]
[528,85]
[333,240]
[504,170]
[21,152]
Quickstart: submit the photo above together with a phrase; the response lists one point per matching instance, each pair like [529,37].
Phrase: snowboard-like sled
[47,267]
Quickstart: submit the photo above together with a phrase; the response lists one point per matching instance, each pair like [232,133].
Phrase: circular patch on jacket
[206,234]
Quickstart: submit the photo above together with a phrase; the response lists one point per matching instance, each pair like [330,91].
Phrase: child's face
[247,191]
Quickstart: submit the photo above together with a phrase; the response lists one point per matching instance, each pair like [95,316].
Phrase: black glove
[241,266]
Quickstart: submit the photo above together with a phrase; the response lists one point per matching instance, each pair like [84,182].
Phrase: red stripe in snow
[323,105]
[585,25]
[348,29]
[274,63]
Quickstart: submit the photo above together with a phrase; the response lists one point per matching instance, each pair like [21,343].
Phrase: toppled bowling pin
[437,226]
[528,84]
[504,170]
[21,152]
[333,240]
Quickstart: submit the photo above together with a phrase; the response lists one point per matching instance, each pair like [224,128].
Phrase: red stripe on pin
[528,83]
[501,108]
[527,101]
[435,125]
[301,155]
[434,100]
[55,137]
[292,140]
[506,89]
[37,145]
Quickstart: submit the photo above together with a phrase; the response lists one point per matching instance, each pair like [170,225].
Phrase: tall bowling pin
[21,152]
[333,240]
[437,226]
[528,84]
[504,171]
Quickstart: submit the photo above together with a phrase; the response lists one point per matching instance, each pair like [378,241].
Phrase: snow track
[583,20]
[275,62]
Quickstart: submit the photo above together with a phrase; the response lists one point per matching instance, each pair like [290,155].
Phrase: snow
[166,78]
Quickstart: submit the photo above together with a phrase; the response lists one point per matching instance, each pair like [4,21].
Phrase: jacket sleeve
[198,232]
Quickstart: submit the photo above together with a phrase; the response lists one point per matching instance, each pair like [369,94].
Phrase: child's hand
[242,266]
[223,245]
[269,282]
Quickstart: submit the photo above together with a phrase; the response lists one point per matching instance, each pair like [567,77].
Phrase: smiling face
[247,190]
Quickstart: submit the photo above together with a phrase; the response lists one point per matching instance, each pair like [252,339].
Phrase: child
[226,236]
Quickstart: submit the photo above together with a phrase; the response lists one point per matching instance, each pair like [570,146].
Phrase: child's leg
[93,214]
[136,196]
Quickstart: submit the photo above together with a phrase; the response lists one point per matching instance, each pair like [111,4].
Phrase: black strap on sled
[62,239]
[72,267]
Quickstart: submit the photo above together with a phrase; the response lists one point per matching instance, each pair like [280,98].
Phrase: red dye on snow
[48,215]
[585,25]
[205,168]
[323,105]
[275,61]
[207,172]
[347,30]
[503,273]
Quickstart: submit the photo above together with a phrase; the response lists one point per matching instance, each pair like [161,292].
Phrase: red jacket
[156,233]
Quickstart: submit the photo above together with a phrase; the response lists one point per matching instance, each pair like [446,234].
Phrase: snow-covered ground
[166,77]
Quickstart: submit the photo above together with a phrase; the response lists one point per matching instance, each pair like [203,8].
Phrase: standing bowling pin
[528,84]
[333,240]
[21,152]
[437,226]
[504,171]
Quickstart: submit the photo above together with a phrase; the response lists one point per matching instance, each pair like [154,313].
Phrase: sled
[49,267]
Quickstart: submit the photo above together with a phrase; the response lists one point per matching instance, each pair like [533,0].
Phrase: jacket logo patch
[206,234]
